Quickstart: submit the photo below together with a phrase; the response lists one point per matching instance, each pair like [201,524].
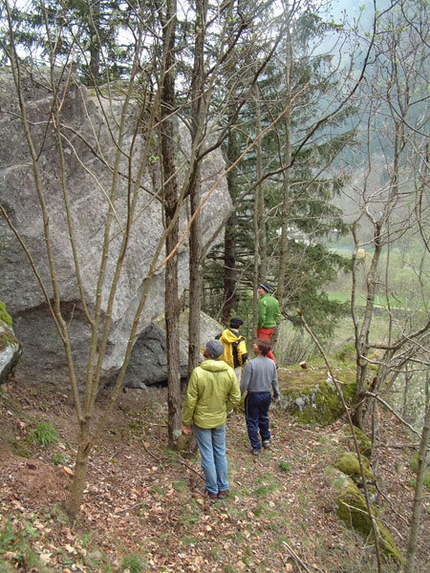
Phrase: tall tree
[93,36]
[171,201]
[298,129]
[199,112]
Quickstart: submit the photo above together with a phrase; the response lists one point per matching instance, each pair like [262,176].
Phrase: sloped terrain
[144,508]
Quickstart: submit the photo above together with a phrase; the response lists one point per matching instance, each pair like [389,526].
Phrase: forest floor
[144,508]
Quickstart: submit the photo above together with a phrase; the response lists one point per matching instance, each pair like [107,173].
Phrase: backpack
[235,354]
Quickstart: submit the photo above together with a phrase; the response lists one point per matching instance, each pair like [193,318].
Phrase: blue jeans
[213,453]
[257,417]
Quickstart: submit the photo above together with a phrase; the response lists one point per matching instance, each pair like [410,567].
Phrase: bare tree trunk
[286,162]
[381,238]
[79,481]
[171,205]
[96,42]
[172,310]
[285,157]
[196,277]
[362,340]
[230,274]
[260,247]
[259,195]
[198,114]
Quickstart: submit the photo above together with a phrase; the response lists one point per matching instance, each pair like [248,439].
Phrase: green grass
[132,563]
[45,434]
[340,297]
[59,459]
[266,489]
[190,515]
[158,490]
[285,466]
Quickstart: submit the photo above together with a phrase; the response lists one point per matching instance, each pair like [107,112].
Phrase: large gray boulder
[82,175]
[148,361]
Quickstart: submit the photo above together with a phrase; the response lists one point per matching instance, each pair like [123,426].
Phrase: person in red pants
[269,315]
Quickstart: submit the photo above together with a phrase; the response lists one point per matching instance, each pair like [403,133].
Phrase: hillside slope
[144,509]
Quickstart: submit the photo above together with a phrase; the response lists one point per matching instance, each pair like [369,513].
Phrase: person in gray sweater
[258,380]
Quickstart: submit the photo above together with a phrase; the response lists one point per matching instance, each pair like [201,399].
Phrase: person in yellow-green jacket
[212,391]
[235,352]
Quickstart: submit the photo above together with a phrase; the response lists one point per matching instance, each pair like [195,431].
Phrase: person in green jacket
[212,392]
[269,315]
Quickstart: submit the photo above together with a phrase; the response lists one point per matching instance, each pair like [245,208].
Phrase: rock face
[148,363]
[85,184]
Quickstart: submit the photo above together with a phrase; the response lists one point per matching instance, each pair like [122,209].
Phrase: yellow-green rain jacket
[212,391]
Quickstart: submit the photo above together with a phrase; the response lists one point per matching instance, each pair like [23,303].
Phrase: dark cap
[235,322]
[265,287]
[214,349]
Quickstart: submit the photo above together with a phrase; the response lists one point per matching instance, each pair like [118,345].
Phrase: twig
[297,558]
[159,460]
[396,414]
[192,469]
[396,446]
[154,457]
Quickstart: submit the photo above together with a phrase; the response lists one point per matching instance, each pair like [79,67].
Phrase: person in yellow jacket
[235,353]
[212,391]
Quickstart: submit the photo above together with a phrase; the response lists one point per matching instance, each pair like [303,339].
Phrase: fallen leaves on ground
[144,500]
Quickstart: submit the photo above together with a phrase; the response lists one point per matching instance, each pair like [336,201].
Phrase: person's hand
[186,430]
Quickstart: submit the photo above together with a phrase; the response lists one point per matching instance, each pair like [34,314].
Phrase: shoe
[222,494]
[266,444]
[212,496]
[256,452]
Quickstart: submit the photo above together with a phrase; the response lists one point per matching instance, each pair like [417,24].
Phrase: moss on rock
[4,315]
[312,396]
[352,510]
[7,337]
[364,442]
[348,464]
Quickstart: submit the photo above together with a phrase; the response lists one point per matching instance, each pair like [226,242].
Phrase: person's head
[213,349]
[261,347]
[236,322]
[263,289]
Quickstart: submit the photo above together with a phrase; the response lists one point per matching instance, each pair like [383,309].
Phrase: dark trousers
[257,417]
